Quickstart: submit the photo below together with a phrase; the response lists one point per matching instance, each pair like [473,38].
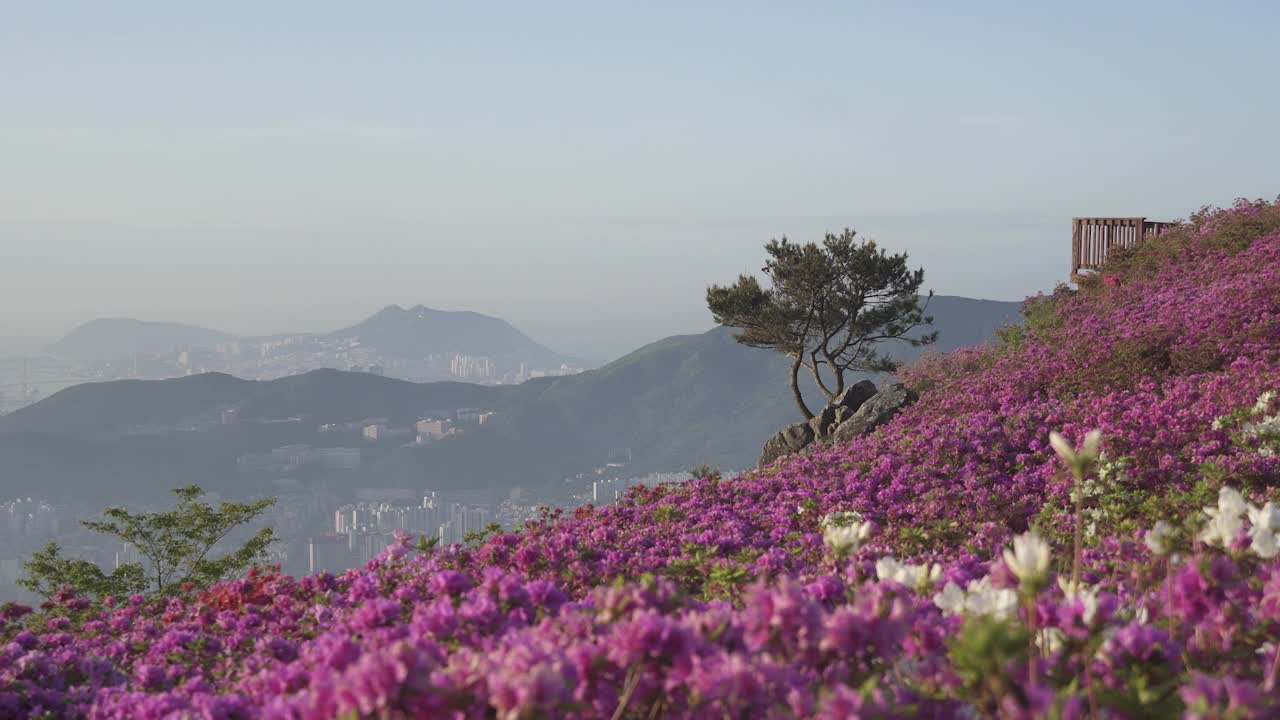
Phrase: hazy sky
[585,169]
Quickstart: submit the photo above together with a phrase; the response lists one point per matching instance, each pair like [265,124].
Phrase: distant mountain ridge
[689,399]
[679,402]
[321,395]
[421,330]
[116,337]
[416,343]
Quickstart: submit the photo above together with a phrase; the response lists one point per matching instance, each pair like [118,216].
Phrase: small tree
[827,307]
[48,572]
[175,545]
[705,470]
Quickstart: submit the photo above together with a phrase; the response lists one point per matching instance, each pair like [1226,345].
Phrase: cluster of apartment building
[470,367]
[291,458]
[609,490]
[31,519]
[362,530]
[26,524]
[480,368]
[431,426]
[527,373]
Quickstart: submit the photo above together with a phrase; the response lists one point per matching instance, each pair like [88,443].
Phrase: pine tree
[828,307]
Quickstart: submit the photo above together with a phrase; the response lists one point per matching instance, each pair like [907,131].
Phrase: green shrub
[1039,319]
[1230,231]
[706,471]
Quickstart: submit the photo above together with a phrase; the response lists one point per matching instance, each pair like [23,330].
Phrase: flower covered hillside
[1080,522]
[1153,362]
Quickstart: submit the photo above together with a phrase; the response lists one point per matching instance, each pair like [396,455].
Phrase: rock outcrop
[792,439]
[860,402]
[841,409]
[827,420]
[876,411]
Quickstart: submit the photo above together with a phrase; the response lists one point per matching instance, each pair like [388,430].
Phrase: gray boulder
[825,421]
[792,439]
[875,412]
[856,394]
[822,426]
[841,408]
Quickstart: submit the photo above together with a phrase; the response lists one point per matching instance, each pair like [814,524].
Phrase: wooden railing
[1092,239]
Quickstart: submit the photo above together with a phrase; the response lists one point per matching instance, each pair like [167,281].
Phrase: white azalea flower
[1088,450]
[951,599]
[1092,440]
[1157,538]
[979,603]
[1005,603]
[982,584]
[1264,401]
[1266,429]
[1062,446]
[844,531]
[986,600]
[1089,598]
[1050,640]
[1225,520]
[1264,522]
[1222,528]
[920,575]
[1266,517]
[846,538]
[1090,601]
[839,518]
[1029,558]
[887,568]
[1265,543]
[1230,501]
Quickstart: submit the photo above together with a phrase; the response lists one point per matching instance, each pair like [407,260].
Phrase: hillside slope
[670,403]
[322,395]
[785,593]
[674,404]
[111,406]
[692,399]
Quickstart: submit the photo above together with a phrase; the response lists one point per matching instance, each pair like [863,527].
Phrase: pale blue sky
[574,167]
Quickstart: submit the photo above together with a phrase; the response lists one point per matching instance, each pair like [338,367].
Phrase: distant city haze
[594,290]
[585,170]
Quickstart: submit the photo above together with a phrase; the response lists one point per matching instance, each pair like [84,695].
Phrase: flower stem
[1089,688]
[1033,663]
[1275,672]
[1079,529]
[628,689]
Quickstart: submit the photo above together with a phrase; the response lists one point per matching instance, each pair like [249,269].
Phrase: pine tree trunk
[822,385]
[795,389]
